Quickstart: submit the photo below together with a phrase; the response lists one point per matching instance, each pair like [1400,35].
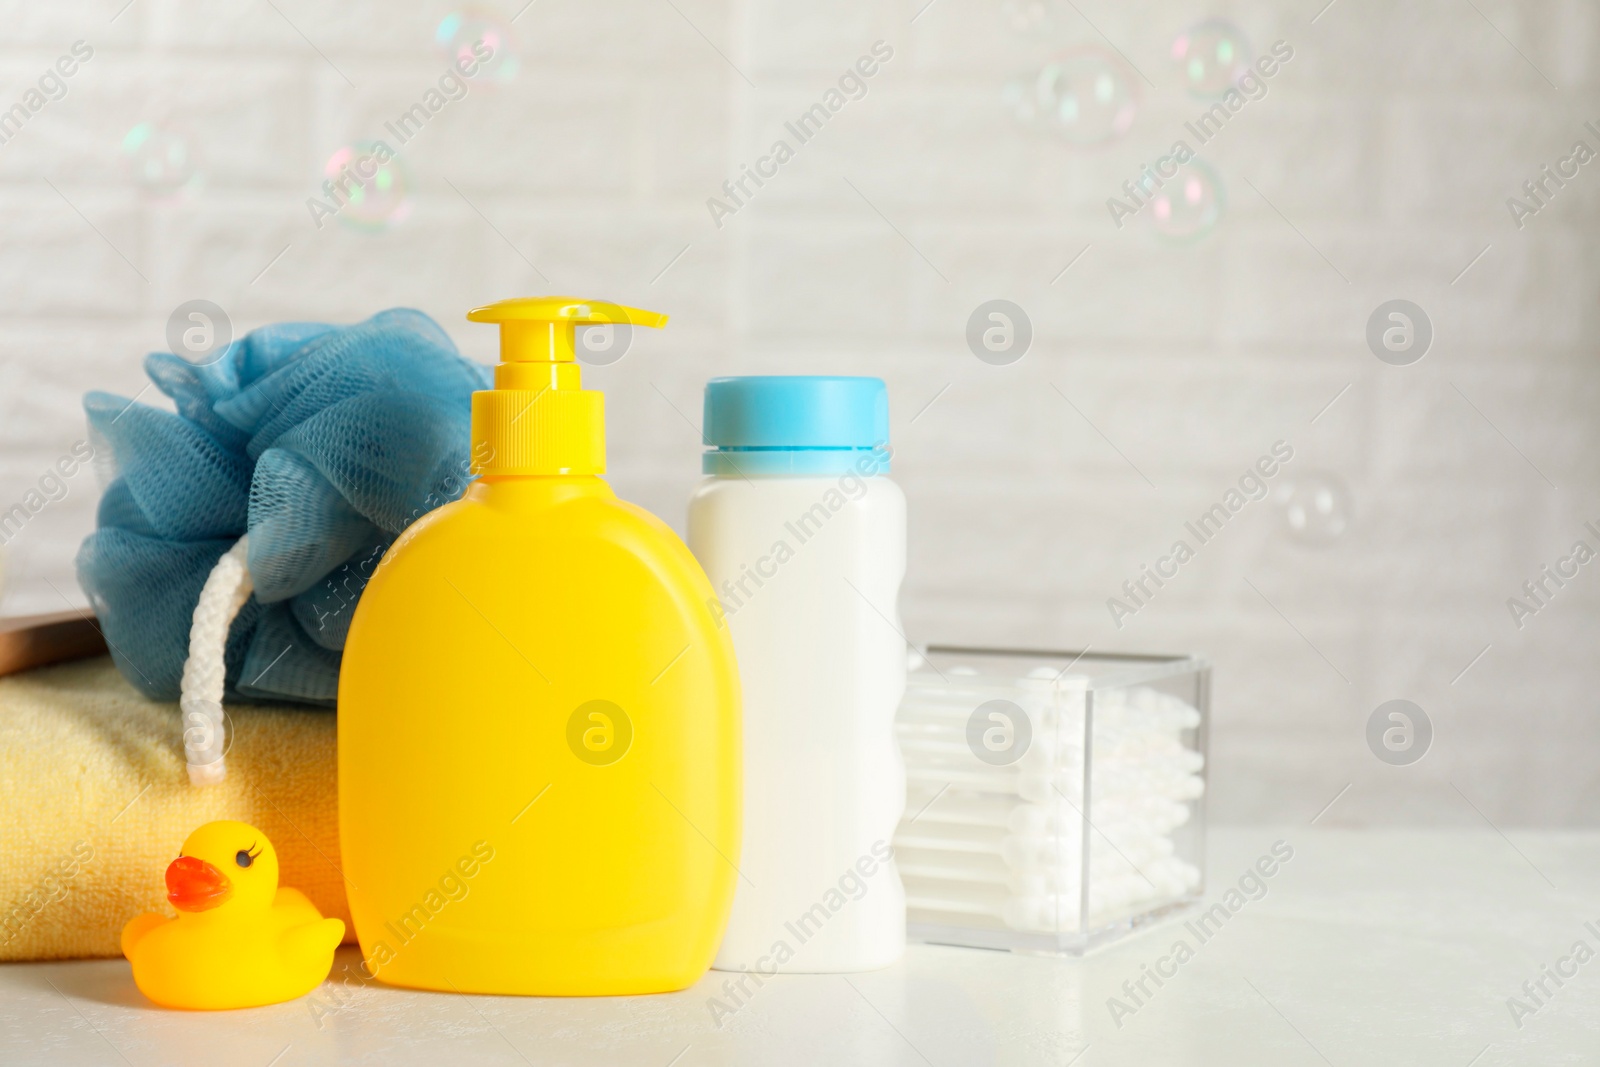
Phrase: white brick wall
[1390,141]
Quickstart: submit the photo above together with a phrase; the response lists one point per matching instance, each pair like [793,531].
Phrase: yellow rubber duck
[238,941]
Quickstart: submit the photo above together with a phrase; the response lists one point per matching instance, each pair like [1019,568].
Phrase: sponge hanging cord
[205,671]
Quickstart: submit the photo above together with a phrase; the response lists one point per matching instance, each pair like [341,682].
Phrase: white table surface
[1382,947]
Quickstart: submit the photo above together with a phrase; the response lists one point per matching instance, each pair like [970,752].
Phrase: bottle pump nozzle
[542,329]
[538,419]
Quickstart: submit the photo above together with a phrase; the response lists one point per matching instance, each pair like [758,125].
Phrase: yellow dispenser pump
[538,419]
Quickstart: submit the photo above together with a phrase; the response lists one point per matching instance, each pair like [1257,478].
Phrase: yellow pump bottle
[539,749]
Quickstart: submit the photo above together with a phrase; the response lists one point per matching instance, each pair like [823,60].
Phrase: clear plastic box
[1055,801]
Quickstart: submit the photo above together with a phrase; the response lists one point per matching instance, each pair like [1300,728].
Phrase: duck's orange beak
[195,885]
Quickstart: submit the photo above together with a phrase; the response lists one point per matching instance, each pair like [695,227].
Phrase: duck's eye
[243,858]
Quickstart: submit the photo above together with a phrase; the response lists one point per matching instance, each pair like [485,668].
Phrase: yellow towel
[97,801]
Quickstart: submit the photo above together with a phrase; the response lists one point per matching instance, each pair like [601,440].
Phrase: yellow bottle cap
[538,419]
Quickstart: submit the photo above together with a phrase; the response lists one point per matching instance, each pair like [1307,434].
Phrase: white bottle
[803,536]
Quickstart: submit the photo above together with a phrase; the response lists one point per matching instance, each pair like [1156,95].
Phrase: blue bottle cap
[796,424]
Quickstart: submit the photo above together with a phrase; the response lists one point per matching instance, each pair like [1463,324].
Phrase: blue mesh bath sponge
[300,455]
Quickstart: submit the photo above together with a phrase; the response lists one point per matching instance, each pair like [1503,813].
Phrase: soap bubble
[459,31]
[374,196]
[1315,508]
[158,159]
[1088,95]
[1211,56]
[1187,206]
[1027,16]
